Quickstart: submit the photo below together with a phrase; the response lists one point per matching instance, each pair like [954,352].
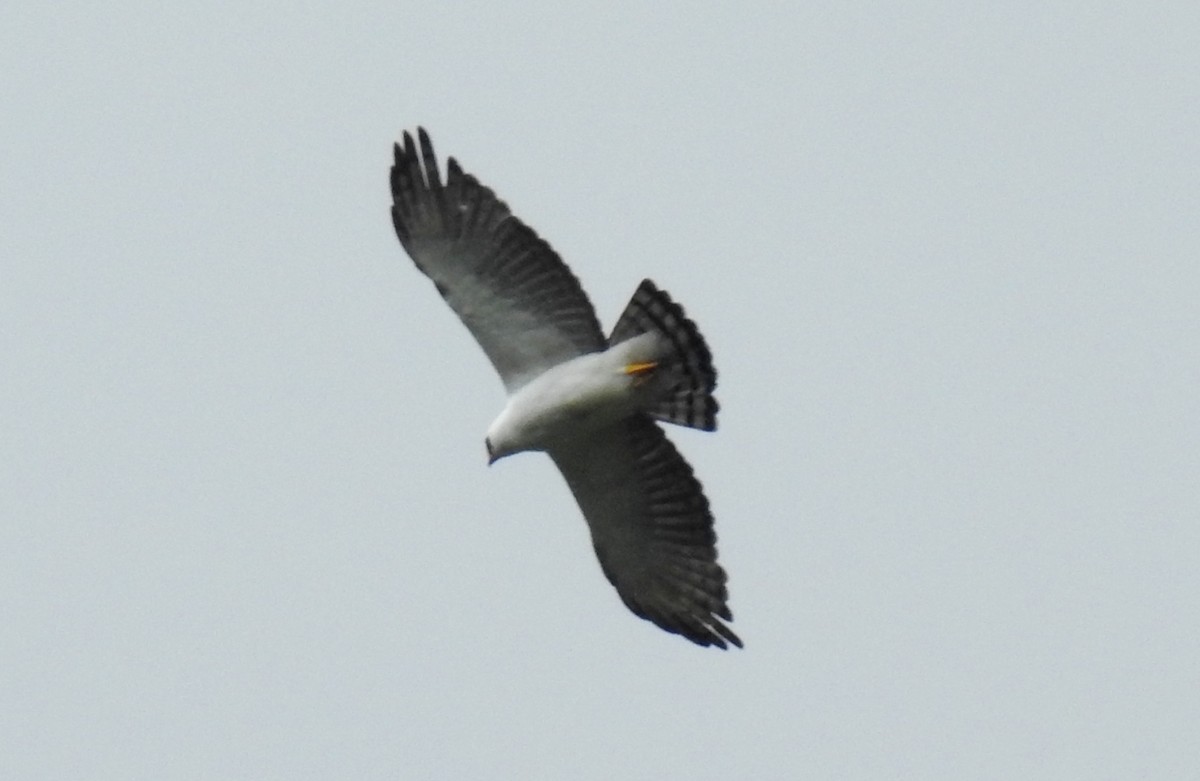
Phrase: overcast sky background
[947,259]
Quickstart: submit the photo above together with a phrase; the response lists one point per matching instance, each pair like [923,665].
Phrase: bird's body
[577,397]
[590,402]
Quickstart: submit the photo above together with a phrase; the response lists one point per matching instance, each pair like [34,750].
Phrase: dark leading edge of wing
[519,300]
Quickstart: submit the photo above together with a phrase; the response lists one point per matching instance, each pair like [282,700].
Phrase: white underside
[567,401]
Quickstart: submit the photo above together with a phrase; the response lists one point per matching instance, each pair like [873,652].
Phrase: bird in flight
[593,404]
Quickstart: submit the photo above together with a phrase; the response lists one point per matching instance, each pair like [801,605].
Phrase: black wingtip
[729,635]
[717,635]
[429,160]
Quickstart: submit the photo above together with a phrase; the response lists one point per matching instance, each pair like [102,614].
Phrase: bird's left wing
[512,291]
[651,528]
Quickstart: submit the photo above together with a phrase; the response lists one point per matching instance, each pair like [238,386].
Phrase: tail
[688,371]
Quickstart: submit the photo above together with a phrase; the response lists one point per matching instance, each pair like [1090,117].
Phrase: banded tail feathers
[691,378]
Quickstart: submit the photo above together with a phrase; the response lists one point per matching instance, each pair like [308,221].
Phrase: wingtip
[717,636]
[426,145]
[720,635]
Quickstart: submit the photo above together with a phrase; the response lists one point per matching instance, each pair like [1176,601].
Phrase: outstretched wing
[519,300]
[651,528]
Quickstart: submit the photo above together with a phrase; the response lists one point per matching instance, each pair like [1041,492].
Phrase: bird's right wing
[651,528]
[512,291]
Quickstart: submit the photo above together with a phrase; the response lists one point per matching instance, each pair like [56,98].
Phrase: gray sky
[946,259]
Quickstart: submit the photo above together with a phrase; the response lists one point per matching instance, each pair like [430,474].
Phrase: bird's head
[497,448]
[500,440]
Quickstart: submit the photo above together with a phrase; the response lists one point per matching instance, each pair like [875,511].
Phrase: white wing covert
[519,300]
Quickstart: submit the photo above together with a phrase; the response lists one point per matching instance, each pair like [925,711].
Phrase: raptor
[593,404]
